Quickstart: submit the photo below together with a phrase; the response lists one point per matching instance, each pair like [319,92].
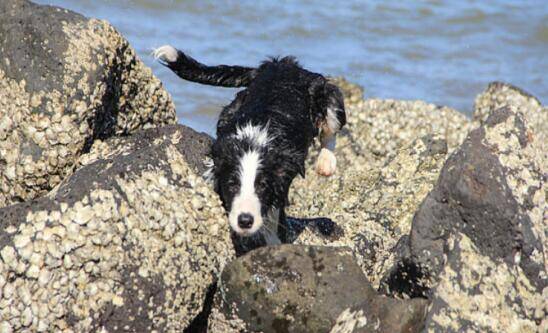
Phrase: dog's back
[279,96]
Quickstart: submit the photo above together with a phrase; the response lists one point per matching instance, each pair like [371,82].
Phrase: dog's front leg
[327,162]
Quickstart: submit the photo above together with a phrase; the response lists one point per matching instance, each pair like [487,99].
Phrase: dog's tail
[189,69]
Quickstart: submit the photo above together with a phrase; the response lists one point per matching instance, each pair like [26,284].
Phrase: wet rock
[477,244]
[65,81]
[371,206]
[292,288]
[131,241]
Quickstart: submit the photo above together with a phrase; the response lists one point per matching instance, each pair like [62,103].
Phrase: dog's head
[252,177]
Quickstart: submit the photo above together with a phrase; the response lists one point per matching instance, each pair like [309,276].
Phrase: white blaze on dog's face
[245,213]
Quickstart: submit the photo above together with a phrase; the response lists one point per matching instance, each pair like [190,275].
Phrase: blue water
[444,52]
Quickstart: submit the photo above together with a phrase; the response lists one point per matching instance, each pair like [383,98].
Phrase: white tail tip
[166,53]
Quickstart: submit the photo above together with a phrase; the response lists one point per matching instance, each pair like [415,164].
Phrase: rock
[500,94]
[65,81]
[382,127]
[118,244]
[492,190]
[352,93]
[372,206]
[377,129]
[389,157]
[292,288]
[478,294]
[383,315]
[477,243]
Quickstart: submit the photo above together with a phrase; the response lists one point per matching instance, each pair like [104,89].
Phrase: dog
[264,134]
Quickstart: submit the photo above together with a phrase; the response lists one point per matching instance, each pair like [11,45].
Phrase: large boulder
[65,81]
[292,288]
[131,241]
[477,246]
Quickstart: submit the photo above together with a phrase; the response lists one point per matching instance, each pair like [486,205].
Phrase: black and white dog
[264,134]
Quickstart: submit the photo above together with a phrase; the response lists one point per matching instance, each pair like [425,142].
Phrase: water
[440,52]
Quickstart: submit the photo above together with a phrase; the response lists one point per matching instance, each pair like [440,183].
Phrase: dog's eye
[232,186]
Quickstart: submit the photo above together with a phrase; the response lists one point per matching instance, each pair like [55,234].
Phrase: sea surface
[444,52]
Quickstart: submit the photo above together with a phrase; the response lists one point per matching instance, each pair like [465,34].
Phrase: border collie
[264,134]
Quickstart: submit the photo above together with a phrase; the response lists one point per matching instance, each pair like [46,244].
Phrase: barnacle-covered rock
[500,94]
[372,207]
[378,128]
[477,246]
[65,81]
[389,157]
[131,241]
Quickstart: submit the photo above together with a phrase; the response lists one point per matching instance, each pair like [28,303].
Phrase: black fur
[280,95]
[225,76]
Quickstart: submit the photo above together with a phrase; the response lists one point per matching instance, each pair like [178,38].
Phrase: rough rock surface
[372,207]
[131,241]
[383,315]
[377,129]
[389,156]
[292,288]
[478,294]
[499,94]
[478,241]
[65,81]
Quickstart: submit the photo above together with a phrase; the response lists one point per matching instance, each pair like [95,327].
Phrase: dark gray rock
[25,28]
[474,195]
[476,246]
[131,241]
[294,288]
[65,81]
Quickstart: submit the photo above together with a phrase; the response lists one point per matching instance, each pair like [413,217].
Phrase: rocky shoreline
[106,223]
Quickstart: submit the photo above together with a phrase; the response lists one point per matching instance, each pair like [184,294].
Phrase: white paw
[326,163]
[166,53]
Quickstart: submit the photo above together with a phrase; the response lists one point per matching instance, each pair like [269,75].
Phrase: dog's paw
[326,163]
[165,54]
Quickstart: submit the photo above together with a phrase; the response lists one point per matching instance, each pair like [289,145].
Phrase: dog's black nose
[245,220]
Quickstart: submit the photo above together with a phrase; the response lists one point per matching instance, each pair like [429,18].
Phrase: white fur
[270,230]
[247,201]
[166,53]
[208,174]
[326,163]
[333,123]
[258,134]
